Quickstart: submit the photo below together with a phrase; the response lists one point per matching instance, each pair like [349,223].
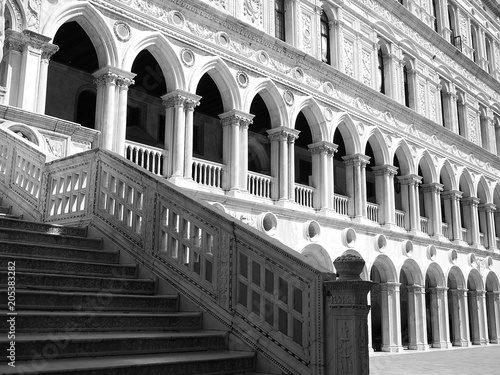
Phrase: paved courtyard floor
[456,361]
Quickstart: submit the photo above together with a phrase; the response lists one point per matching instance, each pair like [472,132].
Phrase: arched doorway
[71,91]
[436,308]
[493,307]
[476,308]
[411,306]
[303,162]
[457,308]
[385,310]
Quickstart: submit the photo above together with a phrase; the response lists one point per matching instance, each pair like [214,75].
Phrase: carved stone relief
[367,68]
[348,58]
[306,33]
[253,11]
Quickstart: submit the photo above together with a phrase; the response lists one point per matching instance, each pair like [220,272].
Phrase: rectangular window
[279,19]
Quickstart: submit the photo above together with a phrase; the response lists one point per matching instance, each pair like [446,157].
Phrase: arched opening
[483,215]
[408,82]
[411,280]
[145,112]
[383,274]
[492,307]
[456,307]
[86,107]
[447,204]
[483,122]
[383,67]
[435,12]
[488,44]
[425,192]
[467,211]
[259,146]
[435,308]
[461,114]
[339,174]
[303,157]
[474,42]
[207,129]
[70,70]
[496,214]
[325,38]
[371,192]
[475,288]
[452,20]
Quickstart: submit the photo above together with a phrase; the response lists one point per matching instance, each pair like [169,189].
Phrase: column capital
[283,133]
[433,187]
[471,201]
[452,194]
[390,287]
[178,98]
[48,50]
[487,207]
[236,117]
[20,41]
[110,74]
[385,170]
[410,179]
[356,160]
[417,289]
[323,147]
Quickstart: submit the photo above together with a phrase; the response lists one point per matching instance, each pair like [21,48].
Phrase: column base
[460,242]
[418,233]
[494,341]
[363,220]
[286,203]
[183,182]
[441,345]
[394,227]
[461,343]
[237,193]
[332,213]
[441,238]
[392,349]
[418,347]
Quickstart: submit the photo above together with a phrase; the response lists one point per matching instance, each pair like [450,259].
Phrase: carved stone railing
[304,195]
[482,239]
[266,294]
[464,234]
[259,185]
[147,157]
[400,219]
[341,204]
[372,211]
[207,173]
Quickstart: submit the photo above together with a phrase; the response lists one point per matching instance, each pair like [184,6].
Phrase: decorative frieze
[252,10]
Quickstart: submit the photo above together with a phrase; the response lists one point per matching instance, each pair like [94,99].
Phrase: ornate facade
[361,125]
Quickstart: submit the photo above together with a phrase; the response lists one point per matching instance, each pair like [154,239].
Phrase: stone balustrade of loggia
[268,295]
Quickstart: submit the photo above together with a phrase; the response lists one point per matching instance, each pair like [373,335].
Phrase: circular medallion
[328,88]
[298,74]
[176,18]
[242,79]
[122,31]
[288,97]
[263,57]
[187,57]
[222,39]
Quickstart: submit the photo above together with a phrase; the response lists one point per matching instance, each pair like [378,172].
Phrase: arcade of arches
[220,134]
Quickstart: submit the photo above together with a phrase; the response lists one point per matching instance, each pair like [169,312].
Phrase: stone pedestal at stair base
[346,310]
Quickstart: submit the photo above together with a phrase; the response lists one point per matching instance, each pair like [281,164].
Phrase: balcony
[341,204]
[147,157]
[424,224]
[372,211]
[304,195]
[400,219]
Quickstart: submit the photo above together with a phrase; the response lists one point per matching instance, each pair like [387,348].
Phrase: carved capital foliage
[174,101]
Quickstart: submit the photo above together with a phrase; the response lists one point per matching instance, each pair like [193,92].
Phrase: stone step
[31,280]
[30,226]
[101,321]
[26,236]
[55,252]
[73,345]
[212,362]
[35,264]
[88,301]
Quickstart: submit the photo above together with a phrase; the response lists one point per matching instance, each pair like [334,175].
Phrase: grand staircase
[79,311]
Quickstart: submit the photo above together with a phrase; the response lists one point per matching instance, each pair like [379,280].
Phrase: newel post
[346,311]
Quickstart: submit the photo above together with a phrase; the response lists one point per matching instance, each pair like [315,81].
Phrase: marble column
[417,325]
[106,115]
[493,309]
[477,317]
[47,51]
[123,84]
[189,105]
[384,180]
[432,203]
[292,136]
[452,213]
[410,200]
[471,219]
[280,154]
[486,211]
[439,317]
[460,323]
[356,184]
[234,154]
[322,155]
[391,318]
[483,318]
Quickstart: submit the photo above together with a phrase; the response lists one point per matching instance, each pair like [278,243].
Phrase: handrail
[341,204]
[424,224]
[223,265]
[400,219]
[207,173]
[372,211]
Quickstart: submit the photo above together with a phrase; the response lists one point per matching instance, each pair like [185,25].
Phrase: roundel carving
[122,31]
